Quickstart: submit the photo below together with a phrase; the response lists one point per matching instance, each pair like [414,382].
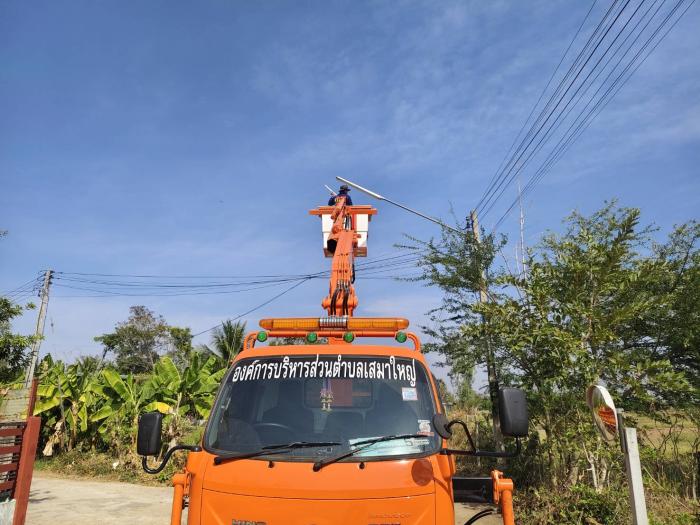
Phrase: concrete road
[59,501]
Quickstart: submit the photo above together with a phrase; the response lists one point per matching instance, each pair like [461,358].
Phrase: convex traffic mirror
[603,409]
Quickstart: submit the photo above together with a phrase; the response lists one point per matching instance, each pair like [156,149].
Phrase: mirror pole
[466,431]
[630,449]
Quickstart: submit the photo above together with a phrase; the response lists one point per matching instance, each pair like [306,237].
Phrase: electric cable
[532,111]
[265,303]
[561,117]
[532,133]
[510,175]
[614,88]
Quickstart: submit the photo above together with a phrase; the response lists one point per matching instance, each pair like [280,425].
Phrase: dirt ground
[59,501]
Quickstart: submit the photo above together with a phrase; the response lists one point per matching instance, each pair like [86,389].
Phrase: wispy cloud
[198,147]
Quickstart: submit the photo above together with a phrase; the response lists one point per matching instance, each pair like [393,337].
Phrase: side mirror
[512,409]
[148,440]
[441,426]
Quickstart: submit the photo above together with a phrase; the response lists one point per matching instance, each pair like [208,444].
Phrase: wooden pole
[30,438]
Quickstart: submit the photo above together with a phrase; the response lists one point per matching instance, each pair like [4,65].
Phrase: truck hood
[232,509]
[290,493]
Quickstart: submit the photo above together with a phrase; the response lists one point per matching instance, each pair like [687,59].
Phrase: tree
[13,347]
[571,323]
[671,330]
[189,392]
[181,350]
[227,340]
[461,266]
[123,399]
[138,342]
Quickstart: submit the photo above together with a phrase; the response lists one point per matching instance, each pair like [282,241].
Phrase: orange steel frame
[341,300]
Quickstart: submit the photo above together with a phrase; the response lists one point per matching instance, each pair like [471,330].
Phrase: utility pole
[490,361]
[39,333]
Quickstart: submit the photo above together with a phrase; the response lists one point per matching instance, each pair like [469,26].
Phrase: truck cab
[332,400]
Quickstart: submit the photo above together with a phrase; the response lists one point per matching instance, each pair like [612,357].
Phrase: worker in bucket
[344,189]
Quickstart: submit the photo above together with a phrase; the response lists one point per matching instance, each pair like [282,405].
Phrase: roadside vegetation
[93,405]
[599,302]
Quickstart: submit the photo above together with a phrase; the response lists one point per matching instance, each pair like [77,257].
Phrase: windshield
[324,398]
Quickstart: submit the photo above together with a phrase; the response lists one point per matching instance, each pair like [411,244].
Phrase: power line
[29,286]
[510,175]
[108,293]
[83,277]
[265,303]
[125,285]
[568,108]
[532,111]
[583,123]
[532,133]
[615,53]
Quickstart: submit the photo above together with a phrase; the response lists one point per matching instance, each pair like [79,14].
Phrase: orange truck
[332,431]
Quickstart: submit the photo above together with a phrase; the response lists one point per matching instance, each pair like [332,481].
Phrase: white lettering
[327,367]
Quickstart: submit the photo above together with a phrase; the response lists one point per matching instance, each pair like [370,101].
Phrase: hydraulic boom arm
[342,244]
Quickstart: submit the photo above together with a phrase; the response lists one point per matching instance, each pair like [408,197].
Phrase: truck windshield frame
[325,397]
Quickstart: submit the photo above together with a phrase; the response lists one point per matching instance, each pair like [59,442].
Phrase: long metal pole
[436,221]
[39,333]
[411,210]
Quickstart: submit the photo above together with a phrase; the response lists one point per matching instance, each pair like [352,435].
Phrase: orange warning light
[389,324]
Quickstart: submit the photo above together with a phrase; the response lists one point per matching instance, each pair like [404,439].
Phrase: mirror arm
[483,453]
[466,431]
[166,458]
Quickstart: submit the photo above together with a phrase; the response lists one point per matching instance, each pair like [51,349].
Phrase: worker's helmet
[344,187]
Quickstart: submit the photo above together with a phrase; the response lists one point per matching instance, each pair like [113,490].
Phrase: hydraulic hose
[346,297]
[478,516]
[334,298]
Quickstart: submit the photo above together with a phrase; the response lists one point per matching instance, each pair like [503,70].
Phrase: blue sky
[192,138]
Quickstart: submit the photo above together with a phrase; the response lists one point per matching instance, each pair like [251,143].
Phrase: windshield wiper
[360,446]
[273,448]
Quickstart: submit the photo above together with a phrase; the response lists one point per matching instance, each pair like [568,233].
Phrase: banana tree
[65,397]
[187,393]
[122,400]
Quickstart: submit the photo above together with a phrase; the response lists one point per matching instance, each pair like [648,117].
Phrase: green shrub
[578,505]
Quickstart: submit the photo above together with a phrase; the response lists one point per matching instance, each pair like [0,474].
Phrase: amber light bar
[389,324]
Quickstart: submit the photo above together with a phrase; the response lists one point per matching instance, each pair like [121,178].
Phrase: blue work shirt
[348,200]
